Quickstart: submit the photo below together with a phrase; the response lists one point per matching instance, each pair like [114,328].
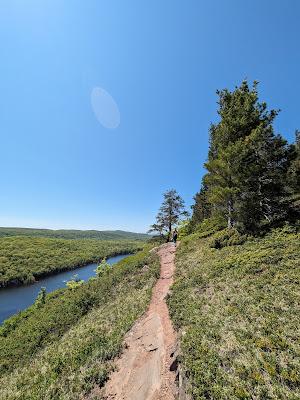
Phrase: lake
[15,299]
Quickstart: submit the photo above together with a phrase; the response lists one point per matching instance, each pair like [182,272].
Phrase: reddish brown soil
[143,370]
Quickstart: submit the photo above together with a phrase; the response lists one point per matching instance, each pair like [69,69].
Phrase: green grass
[23,259]
[58,352]
[238,312]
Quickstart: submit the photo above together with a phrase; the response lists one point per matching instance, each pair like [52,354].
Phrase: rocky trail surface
[144,369]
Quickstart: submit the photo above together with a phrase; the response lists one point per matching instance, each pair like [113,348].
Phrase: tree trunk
[229,218]
[169,234]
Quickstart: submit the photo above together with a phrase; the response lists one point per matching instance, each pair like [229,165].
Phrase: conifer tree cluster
[250,169]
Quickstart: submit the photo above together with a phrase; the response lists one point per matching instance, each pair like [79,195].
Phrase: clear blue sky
[162,62]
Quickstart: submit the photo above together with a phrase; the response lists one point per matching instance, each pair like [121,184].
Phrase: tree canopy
[169,214]
[247,164]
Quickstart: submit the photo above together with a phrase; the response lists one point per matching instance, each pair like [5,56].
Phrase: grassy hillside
[237,309]
[73,234]
[62,349]
[22,259]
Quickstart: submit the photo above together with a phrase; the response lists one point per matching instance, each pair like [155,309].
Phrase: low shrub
[237,313]
[227,237]
[210,226]
[25,335]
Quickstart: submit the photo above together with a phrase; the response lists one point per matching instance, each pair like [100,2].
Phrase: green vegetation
[41,297]
[236,295]
[75,282]
[103,268]
[235,300]
[237,308]
[252,173]
[62,348]
[73,234]
[294,168]
[170,213]
[23,259]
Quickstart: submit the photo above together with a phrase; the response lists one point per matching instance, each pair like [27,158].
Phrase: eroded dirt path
[143,371]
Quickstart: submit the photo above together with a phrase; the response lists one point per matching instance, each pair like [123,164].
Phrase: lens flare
[105,108]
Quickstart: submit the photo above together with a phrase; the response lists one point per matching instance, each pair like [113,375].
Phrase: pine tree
[170,212]
[201,208]
[247,163]
[294,169]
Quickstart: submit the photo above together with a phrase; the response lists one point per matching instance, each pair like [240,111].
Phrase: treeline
[253,175]
[73,234]
[25,259]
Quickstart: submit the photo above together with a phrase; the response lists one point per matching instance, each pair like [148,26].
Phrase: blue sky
[161,61]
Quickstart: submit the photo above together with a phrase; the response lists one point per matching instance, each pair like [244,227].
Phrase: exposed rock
[145,268]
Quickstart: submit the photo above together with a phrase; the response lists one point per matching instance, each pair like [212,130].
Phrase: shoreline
[16,283]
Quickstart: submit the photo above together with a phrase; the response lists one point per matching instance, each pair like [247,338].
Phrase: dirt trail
[143,371]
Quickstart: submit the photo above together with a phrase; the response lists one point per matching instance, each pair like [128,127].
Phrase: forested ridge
[25,259]
[73,234]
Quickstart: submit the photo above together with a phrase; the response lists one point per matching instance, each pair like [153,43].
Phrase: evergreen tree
[263,180]
[158,227]
[201,208]
[294,169]
[247,163]
[170,212]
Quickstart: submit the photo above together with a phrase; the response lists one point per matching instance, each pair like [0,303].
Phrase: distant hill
[73,234]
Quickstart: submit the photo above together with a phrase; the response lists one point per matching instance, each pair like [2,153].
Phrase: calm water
[15,299]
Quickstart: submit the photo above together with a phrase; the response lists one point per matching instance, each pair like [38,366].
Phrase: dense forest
[61,347]
[25,259]
[73,234]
